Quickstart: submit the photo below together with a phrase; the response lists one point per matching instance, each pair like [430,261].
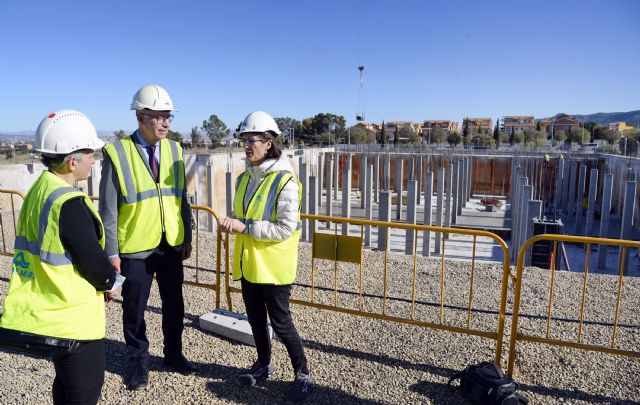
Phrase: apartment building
[512,124]
[479,125]
[619,126]
[447,125]
[561,122]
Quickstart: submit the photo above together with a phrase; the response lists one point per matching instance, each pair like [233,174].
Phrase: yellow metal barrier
[578,344]
[219,250]
[8,251]
[11,193]
[349,249]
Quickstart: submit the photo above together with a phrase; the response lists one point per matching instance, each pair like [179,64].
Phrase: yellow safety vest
[147,209]
[260,261]
[47,295]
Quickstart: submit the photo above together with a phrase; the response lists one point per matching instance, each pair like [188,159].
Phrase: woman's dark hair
[53,162]
[274,151]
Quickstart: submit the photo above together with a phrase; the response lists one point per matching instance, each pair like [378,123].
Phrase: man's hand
[115,262]
[186,250]
[228,224]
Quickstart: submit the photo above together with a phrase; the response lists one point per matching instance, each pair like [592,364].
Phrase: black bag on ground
[36,344]
[486,384]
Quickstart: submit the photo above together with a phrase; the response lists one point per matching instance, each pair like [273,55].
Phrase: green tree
[599,132]
[612,136]
[538,126]
[196,137]
[496,132]
[383,135]
[504,137]
[560,136]
[289,126]
[175,136]
[215,129]
[590,126]
[454,138]
[325,123]
[517,137]
[539,138]
[359,135]
[438,135]
[409,135]
[395,136]
[575,135]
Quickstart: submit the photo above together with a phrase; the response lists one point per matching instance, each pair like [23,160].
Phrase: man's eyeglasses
[160,119]
[251,141]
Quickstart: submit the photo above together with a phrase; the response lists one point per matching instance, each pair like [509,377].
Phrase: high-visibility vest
[147,209]
[47,295]
[263,261]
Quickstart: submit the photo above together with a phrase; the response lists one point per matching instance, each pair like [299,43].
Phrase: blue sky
[423,59]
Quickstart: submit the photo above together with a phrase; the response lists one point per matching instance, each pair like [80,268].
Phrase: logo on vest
[20,261]
[258,197]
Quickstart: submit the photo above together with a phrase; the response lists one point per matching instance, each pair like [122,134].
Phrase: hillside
[630,117]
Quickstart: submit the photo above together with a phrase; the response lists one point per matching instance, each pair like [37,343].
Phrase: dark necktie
[153,163]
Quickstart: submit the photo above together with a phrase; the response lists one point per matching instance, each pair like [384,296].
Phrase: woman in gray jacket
[266,225]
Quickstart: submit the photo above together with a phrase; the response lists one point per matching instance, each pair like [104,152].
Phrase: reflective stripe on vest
[47,295]
[146,209]
[264,262]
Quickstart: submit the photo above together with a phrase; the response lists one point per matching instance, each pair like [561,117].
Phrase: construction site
[413,264]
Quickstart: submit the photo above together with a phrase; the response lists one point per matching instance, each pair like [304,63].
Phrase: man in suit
[147,220]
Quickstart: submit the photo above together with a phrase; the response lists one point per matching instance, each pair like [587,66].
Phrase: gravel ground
[361,360]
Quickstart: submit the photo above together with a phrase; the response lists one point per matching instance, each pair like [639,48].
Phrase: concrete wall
[17,176]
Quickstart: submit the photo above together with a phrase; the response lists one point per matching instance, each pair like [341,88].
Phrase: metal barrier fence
[12,193]
[7,245]
[518,335]
[219,250]
[349,249]
[340,248]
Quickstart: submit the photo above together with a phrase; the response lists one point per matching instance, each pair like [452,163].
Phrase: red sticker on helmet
[52,115]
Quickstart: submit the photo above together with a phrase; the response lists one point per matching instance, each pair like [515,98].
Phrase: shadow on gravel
[116,363]
[273,392]
[377,358]
[439,393]
[557,393]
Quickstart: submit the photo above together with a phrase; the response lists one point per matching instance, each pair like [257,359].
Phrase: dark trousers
[273,300]
[166,264]
[79,375]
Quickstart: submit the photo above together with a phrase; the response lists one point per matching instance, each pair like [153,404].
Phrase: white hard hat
[152,97]
[66,131]
[258,121]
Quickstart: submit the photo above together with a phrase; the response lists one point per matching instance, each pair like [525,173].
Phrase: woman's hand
[228,224]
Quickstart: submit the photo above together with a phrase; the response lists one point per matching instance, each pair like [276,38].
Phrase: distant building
[447,125]
[479,125]
[369,127]
[619,126]
[518,123]
[561,122]
[391,126]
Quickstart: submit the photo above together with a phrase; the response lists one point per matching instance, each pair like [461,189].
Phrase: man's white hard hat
[152,97]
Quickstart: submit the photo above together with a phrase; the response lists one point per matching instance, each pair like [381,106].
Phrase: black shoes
[181,365]
[139,377]
[300,388]
[255,374]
